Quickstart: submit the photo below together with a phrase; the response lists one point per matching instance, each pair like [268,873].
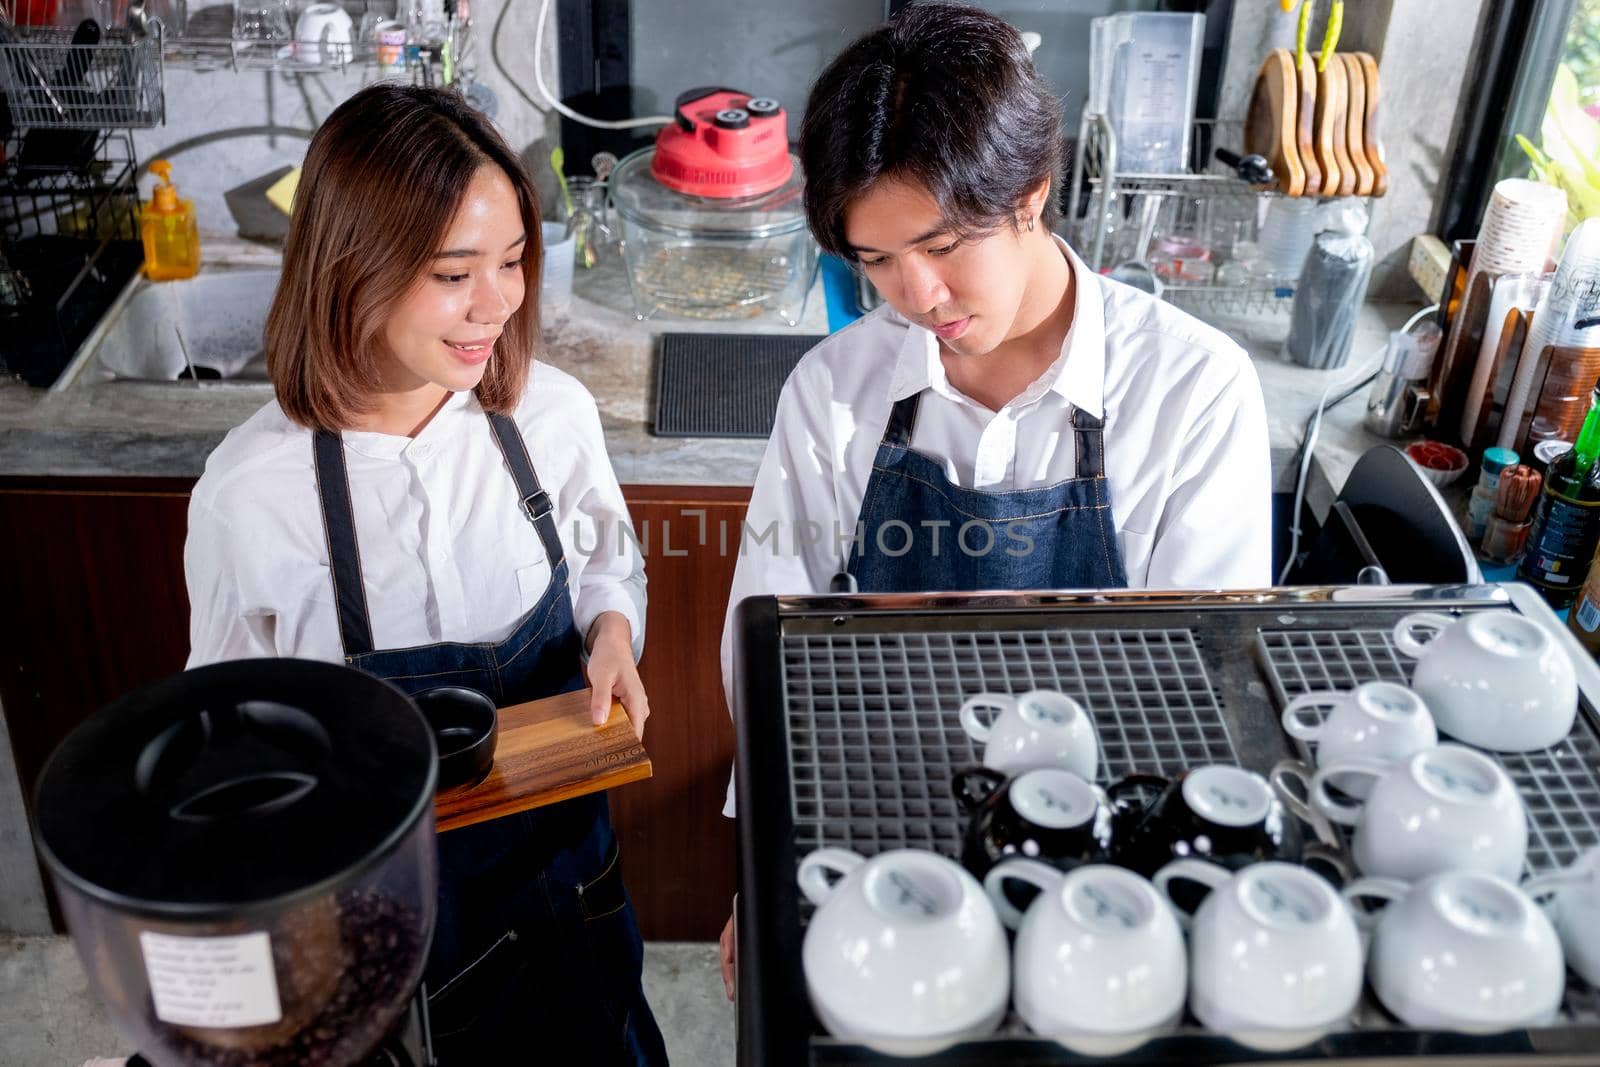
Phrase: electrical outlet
[1429,264]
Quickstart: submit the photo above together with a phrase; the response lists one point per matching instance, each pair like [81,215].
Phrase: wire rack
[868,738]
[875,736]
[1560,786]
[69,234]
[49,82]
[1117,214]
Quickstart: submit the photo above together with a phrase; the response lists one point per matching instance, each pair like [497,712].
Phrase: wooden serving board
[1305,126]
[1356,121]
[548,750]
[1333,132]
[1369,125]
[1270,125]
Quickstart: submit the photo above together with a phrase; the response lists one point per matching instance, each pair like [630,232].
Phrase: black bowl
[465,727]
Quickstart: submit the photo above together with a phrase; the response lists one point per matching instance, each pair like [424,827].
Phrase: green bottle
[1566,527]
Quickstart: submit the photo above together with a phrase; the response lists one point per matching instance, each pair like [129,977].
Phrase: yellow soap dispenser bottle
[166,223]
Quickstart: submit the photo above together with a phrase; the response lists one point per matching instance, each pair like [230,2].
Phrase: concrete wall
[1422,57]
[1423,50]
[202,105]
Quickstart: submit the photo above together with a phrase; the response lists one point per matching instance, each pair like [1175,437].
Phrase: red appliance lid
[724,144]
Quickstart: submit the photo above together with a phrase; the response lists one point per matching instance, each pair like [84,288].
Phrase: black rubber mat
[723,384]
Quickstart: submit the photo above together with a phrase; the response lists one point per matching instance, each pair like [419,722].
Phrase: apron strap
[535,501]
[339,526]
[1089,439]
[902,420]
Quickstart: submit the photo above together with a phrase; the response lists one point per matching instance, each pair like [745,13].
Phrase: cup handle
[1387,889]
[1041,876]
[1304,729]
[1406,642]
[1290,778]
[1207,874]
[973,785]
[1338,810]
[1153,782]
[975,727]
[815,867]
[1583,872]
[1335,860]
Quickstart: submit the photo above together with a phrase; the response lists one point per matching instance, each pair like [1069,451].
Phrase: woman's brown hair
[381,183]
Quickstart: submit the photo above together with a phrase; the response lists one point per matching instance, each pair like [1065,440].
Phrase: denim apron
[919,533]
[536,955]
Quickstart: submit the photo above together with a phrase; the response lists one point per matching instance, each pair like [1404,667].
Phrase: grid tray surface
[1560,786]
[875,737]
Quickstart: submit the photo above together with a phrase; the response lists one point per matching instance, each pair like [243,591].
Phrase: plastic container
[697,257]
[1495,460]
[1327,300]
[1144,77]
[245,858]
[555,280]
[167,227]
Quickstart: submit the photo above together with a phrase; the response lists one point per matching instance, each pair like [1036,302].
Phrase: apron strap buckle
[537,505]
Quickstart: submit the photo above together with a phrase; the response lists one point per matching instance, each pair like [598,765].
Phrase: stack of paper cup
[1572,300]
[1520,227]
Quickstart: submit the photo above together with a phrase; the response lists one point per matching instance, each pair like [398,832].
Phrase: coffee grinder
[245,857]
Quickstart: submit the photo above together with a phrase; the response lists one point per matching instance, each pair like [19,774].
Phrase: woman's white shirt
[1186,449]
[447,553]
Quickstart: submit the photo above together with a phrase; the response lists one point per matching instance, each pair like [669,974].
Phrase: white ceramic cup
[1041,728]
[1462,950]
[1274,953]
[1376,720]
[1099,963]
[905,953]
[1573,906]
[1492,679]
[1445,808]
[322,34]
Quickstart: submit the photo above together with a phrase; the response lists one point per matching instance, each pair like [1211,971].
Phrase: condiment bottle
[1567,526]
[1482,502]
[1584,618]
[167,225]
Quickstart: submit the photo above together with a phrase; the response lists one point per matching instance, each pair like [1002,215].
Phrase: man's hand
[725,952]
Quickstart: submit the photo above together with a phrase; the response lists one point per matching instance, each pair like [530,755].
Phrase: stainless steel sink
[206,327]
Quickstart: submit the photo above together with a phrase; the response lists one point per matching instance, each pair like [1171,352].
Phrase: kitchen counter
[147,430]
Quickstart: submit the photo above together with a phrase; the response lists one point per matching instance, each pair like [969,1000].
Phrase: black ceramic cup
[1221,813]
[1047,814]
[466,726]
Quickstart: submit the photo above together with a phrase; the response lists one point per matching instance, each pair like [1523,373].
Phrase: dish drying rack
[1101,198]
[51,83]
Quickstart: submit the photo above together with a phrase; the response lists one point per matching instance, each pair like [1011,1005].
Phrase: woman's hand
[612,673]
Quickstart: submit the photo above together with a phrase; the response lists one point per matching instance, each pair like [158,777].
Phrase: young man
[1009,420]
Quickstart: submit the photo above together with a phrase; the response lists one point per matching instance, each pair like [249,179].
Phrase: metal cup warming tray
[846,710]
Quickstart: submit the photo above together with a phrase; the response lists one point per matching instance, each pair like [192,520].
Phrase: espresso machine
[245,858]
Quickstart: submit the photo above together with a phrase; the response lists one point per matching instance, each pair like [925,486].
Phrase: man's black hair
[944,96]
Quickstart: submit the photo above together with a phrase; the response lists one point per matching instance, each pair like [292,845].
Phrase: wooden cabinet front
[95,606]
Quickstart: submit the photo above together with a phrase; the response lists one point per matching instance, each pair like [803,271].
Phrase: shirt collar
[1078,374]
[392,446]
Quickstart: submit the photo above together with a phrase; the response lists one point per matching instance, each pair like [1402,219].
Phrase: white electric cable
[544,90]
[550,98]
[1310,444]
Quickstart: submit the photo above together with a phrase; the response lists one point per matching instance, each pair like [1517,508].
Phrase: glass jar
[704,258]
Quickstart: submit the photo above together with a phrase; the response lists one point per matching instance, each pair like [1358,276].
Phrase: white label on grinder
[212,981]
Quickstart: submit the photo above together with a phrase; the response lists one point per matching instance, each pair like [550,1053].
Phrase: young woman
[409,505]
[1009,419]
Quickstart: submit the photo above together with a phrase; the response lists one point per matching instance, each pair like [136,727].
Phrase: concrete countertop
[147,430]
